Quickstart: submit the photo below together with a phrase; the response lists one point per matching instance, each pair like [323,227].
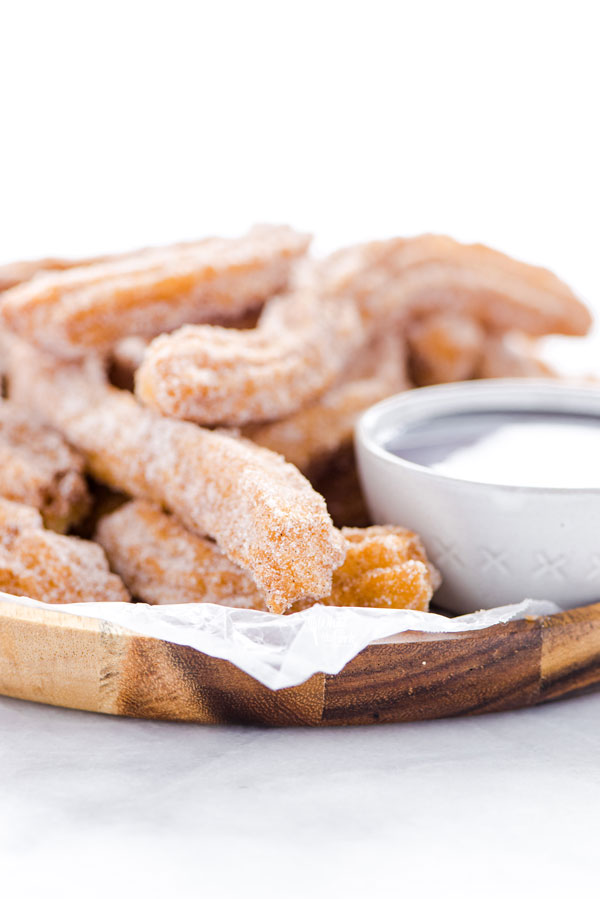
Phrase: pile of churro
[177,421]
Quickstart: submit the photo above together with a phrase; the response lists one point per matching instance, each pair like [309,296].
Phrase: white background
[132,123]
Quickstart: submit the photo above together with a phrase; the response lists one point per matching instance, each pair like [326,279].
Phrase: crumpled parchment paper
[282,650]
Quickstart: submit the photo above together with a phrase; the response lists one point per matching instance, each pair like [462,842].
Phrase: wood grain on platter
[83,663]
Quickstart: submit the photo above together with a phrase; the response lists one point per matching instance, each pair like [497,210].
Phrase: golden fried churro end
[386,568]
[162,562]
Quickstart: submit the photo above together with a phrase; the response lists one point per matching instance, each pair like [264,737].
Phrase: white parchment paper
[282,651]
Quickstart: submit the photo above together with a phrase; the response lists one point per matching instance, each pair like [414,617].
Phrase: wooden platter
[83,663]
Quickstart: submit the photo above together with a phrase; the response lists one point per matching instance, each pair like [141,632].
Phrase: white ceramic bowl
[493,544]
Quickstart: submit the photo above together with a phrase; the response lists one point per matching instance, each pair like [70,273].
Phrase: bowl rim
[501,391]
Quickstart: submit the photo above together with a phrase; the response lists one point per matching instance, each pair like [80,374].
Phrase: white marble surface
[483,807]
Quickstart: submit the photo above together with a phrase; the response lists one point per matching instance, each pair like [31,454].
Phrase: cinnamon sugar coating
[49,567]
[444,346]
[385,568]
[38,468]
[512,356]
[161,562]
[319,354]
[262,512]
[221,376]
[213,376]
[14,273]
[16,518]
[404,277]
[127,354]
[91,307]
[320,429]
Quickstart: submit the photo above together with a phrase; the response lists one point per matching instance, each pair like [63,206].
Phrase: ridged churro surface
[320,429]
[263,513]
[404,277]
[37,467]
[91,307]
[50,567]
[220,376]
[162,562]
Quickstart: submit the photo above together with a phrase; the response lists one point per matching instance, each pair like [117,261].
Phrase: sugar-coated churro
[512,356]
[295,353]
[319,430]
[50,567]
[127,354]
[162,562]
[39,469]
[263,513]
[222,376]
[385,568]
[16,518]
[252,334]
[399,278]
[444,346]
[14,273]
[91,307]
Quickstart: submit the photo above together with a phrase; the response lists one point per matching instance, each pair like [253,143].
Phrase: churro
[512,356]
[258,338]
[91,307]
[161,562]
[125,358]
[319,430]
[220,376]
[39,469]
[385,568]
[262,512]
[401,278]
[50,567]
[302,344]
[14,273]
[444,346]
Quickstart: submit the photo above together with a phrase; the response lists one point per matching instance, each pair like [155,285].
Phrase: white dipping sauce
[528,449]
